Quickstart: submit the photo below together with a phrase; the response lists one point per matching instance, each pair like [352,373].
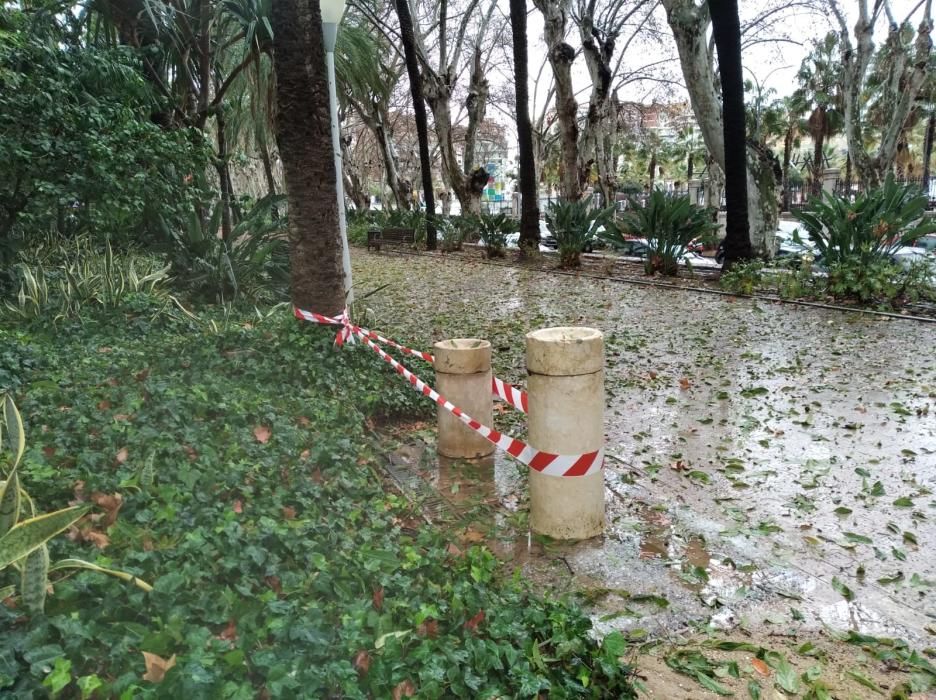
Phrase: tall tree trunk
[651,169]
[907,69]
[726,28]
[689,23]
[596,141]
[529,206]
[303,134]
[688,167]
[354,184]
[818,127]
[928,151]
[787,155]
[561,56]
[221,165]
[419,111]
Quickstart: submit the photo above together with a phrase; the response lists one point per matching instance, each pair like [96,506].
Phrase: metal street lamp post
[332,11]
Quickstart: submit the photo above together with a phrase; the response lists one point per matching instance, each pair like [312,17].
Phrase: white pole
[330,32]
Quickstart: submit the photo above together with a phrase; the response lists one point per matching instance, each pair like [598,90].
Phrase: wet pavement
[773,466]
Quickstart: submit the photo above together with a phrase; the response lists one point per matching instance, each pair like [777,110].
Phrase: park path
[775,465]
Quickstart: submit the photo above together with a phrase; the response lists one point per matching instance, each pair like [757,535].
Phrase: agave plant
[575,225]
[869,229]
[24,540]
[668,224]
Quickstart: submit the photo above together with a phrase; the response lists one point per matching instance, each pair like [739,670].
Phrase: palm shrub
[668,224]
[869,229]
[23,540]
[493,230]
[575,226]
[253,263]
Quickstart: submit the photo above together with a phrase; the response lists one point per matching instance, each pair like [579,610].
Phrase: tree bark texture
[561,56]
[529,205]
[689,23]
[596,145]
[303,135]
[419,111]
[726,28]
[905,76]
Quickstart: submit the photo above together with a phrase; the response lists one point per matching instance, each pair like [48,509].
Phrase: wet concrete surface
[773,468]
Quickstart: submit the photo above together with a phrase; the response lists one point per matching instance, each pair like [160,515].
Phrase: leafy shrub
[668,224]
[253,264]
[81,151]
[745,277]
[575,226]
[493,230]
[866,231]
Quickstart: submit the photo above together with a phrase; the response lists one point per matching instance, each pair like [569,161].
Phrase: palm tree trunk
[928,151]
[303,134]
[726,28]
[419,111]
[529,211]
[818,144]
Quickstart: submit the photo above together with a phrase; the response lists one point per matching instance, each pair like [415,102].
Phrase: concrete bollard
[463,376]
[566,416]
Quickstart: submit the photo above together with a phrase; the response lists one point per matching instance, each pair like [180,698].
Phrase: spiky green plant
[668,224]
[23,541]
[575,227]
[493,230]
[871,228]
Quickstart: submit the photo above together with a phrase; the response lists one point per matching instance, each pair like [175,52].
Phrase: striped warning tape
[501,389]
[543,462]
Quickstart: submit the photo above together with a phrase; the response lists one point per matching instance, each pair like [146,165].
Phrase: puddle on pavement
[772,448]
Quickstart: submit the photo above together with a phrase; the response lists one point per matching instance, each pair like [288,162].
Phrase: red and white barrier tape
[543,462]
[501,389]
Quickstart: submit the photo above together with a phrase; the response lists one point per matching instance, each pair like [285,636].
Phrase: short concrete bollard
[566,416]
[463,376]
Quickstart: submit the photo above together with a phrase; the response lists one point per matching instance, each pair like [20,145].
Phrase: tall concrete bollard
[463,376]
[566,416]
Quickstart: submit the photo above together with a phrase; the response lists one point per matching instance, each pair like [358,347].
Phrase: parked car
[928,243]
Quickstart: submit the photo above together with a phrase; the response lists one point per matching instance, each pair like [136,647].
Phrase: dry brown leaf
[303,421]
[238,506]
[472,624]
[362,662]
[404,689]
[122,454]
[122,416]
[229,633]
[111,504]
[274,583]
[761,667]
[104,405]
[429,628]
[471,535]
[142,374]
[289,512]
[156,666]
[684,384]
[377,598]
[304,454]
[262,433]
[48,451]
[98,539]
[453,550]
[191,452]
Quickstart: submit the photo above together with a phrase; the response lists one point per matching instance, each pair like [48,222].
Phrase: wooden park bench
[394,236]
